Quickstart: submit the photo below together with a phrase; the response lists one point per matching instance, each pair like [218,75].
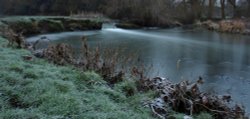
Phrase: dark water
[222,59]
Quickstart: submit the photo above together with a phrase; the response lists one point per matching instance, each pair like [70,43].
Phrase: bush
[60,54]
[234,26]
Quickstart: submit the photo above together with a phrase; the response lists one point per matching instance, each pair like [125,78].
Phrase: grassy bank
[31,25]
[36,89]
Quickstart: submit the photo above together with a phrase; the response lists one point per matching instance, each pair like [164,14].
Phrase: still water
[223,60]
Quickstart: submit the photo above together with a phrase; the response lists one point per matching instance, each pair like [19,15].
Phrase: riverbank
[37,89]
[32,25]
[232,26]
[34,88]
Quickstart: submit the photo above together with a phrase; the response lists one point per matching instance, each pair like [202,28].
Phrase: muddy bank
[37,25]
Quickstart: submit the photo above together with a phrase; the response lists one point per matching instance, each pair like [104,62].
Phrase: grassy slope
[36,89]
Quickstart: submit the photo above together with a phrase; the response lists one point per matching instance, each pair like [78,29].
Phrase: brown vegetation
[15,39]
[60,54]
[228,26]
[210,25]
[107,66]
[89,60]
[235,26]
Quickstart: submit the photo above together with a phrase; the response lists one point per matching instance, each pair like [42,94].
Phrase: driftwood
[186,97]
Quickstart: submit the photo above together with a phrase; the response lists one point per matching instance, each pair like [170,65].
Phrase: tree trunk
[248,7]
[196,9]
[211,9]
[222,3]
[233,3]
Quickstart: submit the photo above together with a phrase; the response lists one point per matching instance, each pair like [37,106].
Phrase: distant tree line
[147,11]
[47,7]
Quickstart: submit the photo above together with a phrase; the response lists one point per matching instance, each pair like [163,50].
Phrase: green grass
[39,90]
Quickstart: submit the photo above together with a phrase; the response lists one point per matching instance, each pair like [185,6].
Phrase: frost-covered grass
[39,90]
[36,89]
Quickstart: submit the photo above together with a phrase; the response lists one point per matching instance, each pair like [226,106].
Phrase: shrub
[15,39]
[234,26]
[225,26]
[60,54]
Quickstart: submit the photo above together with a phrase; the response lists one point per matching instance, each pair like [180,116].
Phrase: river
[223,60]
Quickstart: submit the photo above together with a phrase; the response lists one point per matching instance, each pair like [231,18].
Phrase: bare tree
[233,3]
[248,7]
[222,3]
[211,8]
[196,8]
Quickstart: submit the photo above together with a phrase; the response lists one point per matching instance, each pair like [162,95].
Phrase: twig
[153,110]
[218,111]
[191,106]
